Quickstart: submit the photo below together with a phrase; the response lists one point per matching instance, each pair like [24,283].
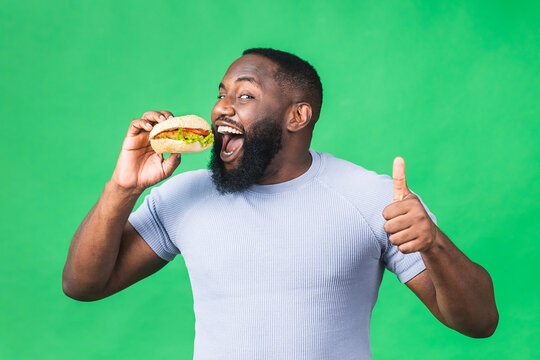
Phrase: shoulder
[368,192]
[354,180]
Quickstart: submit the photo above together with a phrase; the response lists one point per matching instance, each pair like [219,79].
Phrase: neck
[285,167]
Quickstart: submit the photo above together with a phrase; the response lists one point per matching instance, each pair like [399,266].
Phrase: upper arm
[135,261]
[422,286]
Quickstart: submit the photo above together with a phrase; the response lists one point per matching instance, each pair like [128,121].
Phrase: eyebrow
[243,78]
[249,79]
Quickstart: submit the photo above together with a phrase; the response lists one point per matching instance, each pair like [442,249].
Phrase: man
[285,247]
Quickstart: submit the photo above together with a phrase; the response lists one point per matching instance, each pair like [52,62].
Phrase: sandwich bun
[162,146]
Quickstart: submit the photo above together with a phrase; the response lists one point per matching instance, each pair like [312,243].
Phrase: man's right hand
[139,166]
[107,254]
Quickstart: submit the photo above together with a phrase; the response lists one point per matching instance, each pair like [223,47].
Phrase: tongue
[232,142]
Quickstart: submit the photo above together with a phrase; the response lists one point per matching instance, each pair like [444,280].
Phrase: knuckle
[148,114]
[387,212]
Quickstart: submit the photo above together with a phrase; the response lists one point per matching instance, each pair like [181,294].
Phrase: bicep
[422,286]
[135,261]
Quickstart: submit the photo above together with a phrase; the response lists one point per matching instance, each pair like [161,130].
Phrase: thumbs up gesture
[409,225]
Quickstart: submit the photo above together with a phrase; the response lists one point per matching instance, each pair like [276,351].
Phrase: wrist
[437,245]
[113,187]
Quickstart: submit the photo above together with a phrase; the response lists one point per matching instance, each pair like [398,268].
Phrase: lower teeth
[228,153]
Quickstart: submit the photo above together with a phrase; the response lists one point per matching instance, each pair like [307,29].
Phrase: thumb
[171,163]
[400,183]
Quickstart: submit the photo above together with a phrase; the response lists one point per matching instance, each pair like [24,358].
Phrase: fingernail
[162,117]
[170,117]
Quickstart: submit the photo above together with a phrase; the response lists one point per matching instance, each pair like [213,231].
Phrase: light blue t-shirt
[284,271]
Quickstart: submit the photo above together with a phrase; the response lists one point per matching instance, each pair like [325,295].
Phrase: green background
[453,87]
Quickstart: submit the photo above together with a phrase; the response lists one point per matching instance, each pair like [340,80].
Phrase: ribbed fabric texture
[284,271]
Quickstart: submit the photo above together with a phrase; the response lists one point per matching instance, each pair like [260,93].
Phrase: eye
[246,96]
[220,97]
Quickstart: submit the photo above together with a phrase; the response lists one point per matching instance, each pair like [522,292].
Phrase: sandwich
[182,134]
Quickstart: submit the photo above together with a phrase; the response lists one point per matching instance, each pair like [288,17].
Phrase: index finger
[139,125]
[157,116]
[167,114]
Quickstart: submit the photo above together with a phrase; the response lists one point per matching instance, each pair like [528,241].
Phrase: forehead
[255,66]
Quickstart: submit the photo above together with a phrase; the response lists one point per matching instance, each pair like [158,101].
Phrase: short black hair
[295,73]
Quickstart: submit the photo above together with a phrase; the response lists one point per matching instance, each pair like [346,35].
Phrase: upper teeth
[227,130]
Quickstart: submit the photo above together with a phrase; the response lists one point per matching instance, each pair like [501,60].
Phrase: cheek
[248,114]
[257,111]
[276,108]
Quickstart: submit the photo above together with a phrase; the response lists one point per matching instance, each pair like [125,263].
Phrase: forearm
[464,290]
[94,248]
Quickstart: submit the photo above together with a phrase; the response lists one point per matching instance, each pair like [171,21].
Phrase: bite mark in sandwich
[183,134]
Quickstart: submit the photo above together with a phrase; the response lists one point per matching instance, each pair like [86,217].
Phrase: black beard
[261,145]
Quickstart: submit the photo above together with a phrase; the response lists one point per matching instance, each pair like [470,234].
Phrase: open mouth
[233,140]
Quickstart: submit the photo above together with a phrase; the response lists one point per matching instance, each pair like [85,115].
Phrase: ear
[300,116]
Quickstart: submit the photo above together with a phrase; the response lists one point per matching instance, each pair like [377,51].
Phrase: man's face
[248,123]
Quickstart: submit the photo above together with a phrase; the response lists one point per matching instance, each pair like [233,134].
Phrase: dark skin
[457,291]
[249,94]
[107,255]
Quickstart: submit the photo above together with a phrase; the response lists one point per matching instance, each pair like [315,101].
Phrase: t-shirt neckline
[294,183]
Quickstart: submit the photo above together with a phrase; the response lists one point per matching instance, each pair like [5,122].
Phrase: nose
[224,107]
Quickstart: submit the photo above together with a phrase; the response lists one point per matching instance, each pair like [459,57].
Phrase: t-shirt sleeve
[148,222]
[378,194]
[160,216]
[370,193]
[405,266]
